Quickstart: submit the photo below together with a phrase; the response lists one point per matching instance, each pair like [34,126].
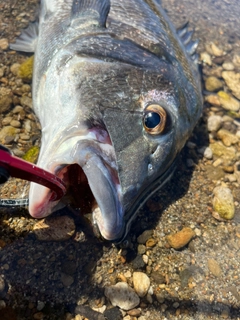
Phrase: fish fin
[186,38]
[183,29]
[93,11]
[26,42]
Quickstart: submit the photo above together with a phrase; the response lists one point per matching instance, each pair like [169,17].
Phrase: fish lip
[104,184]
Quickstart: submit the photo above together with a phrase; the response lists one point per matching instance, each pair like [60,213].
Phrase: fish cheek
[131,149]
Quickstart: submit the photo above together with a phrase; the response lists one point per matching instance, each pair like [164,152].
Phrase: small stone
[17,109]
[66,279]
[151,243]
[228,102]
[141,249]
[223,202]
[14,68]
[206,58]
[38,316]
[15,124]
[134,313]
[232,80]
[228,169]
[2,285]
[213,84]
[2,304]
[122,295]
[228,154]
[4,44]
[26,102]
[236,60]
[54,228]
[6,99]
[227,137]
[8,133]
[216,51]
[40,305]
[113,314]
[142,239]
[6,121]
[229,66]
[145,258]
[214,267]
[141,283]
[237,171]
[206,152]
[214,123]
[181,238]
[138,262]
[213,99]
[214,173]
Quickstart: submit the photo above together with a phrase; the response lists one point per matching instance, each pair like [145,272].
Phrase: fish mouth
[88,169]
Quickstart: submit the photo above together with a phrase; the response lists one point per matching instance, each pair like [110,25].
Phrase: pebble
[54,228]
[66,279]
[14,68]
[217,162]
[214,123]
[134,313]
[6,121]
[214,267]
[213,99]
[181,238]
[141,283]
[237,171]
[206,58]
[213,49]
[4,44]
[232,80]
[8,134]
[26,101]
[142,239]
[229,66]
[2,286]
[217,52]
[223,202]
[38,316]
[113,314]
[6,99]
[228,102]
[227,137]
[2,304]
[15,124]
[236,60]
[141,249]
[228,154]
[206,152]
[213,84]
[122,296]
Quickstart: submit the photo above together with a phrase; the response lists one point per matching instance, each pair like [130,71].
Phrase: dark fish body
[117,95]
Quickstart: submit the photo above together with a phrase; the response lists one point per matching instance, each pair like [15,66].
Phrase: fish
[117,91]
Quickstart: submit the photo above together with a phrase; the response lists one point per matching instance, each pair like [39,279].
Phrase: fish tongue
[108,214]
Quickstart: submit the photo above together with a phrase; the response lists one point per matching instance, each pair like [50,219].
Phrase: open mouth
[89,171]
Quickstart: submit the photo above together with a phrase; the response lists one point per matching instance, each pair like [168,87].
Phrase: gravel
[73,275]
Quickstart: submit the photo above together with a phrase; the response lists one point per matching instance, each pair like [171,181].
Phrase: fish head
[111,131]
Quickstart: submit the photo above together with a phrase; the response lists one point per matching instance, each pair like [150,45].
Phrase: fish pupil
[151,120]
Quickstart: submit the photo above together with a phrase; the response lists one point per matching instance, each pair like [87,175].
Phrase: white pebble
[141,283]
[214,123]
[122,296]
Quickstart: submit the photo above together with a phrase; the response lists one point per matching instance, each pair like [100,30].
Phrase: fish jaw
[91,162]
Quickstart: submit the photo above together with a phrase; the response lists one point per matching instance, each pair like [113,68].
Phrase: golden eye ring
[154,119]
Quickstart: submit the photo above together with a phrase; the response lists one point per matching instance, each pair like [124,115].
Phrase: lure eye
[154,119]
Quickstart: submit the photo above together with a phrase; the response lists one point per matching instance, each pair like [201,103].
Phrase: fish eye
[154,119]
